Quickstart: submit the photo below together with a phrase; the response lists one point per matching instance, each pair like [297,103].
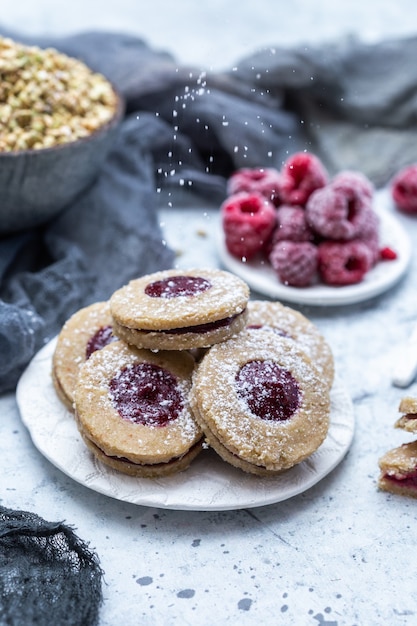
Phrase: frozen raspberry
[265,181]
[292,225]
[369,234]
[248,222]
[387,254]
[370,224]
[404,189]
[295,262]
[354,183]
[302,173]
[336,214]
[343,262]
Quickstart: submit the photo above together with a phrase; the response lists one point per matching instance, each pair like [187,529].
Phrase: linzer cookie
[398,467]
[399,470]
[89,329]
[289,323]
[180,309]
[408,419]
[133,412]
[261,402]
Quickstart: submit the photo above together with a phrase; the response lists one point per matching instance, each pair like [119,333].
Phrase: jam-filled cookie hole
[146,394]
[102,337]
[176,286]
[271,392]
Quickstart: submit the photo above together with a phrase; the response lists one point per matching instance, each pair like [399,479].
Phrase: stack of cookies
[398,467]
[180,360]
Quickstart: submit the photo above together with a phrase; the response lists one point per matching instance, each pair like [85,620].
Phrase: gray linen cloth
[351,103]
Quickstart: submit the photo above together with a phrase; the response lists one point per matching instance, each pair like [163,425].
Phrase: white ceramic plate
[208,484]
[260,276]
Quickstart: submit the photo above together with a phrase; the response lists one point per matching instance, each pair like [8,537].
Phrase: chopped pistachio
[48,98]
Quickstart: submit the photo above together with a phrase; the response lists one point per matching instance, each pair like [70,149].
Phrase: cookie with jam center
[180,309]
[86,331]
[408,419]
[285,321]
[133,412]
[261,402]
[398,470]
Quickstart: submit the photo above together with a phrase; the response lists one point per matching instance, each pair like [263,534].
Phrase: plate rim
[325,295]
[38,372]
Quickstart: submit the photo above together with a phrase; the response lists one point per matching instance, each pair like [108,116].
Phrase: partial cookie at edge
[72,344]
[272,315]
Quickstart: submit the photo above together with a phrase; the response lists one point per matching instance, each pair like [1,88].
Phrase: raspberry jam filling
[199,328]
[146,394]
[176,286]
[100,339]
[173,460]
[406,480]
[270,392]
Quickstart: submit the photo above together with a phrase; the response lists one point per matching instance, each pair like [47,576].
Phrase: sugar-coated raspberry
[295,262]
[343,262]
[301,174]
[261,180]
[248,222]
[404,189]
[370,233]
[336,213]
[370,224]
[292,225]
[354,183]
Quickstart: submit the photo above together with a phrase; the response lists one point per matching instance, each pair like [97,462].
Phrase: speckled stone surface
[339,554]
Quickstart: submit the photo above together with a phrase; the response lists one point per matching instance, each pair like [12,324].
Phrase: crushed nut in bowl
[57,123]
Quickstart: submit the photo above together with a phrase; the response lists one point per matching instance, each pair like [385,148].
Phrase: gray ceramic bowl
[35,185]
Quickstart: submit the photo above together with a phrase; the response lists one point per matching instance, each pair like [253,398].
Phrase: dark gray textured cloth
[48,575]
[353,104]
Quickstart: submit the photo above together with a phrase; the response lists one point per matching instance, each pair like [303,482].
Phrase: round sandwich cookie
[180,309]
[261,402]
[398,470]
[285,321]
[408,419]
[133,412]
[86,331]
